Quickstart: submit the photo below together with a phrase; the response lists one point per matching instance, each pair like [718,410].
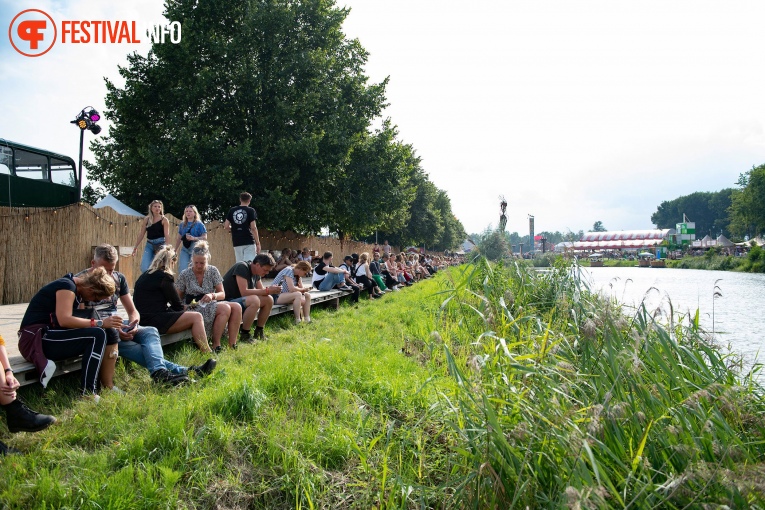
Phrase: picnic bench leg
[336,303]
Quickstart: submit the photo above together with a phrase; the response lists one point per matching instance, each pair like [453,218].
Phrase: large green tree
[264,96]
[380,187]
[747,209]
[708,210]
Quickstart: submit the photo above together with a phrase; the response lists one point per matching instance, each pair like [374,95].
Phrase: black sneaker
[22,419]
[218,350]
[8,450]
[206,368]
[164,376]
[246,336]
[259,335]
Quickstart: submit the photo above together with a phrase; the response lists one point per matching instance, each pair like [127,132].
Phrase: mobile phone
[126,327]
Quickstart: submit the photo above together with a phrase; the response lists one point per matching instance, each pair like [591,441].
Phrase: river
[739,312]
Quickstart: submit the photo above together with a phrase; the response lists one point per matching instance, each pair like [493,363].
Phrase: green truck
[32,177]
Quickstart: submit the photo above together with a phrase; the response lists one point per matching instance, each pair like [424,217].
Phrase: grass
[321,415]
[486,387]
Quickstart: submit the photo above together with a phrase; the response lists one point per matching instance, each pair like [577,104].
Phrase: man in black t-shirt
[240,221]
[242,285]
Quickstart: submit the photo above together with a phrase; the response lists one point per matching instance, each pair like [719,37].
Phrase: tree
[747,210]
[268,97]
[379,172]
[598,227]
[493,244]
[708,210]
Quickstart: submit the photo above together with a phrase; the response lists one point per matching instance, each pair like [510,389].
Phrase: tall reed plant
[562,400]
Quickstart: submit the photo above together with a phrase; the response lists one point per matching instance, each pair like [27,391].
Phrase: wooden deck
[25,372]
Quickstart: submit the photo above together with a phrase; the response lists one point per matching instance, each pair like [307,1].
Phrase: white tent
[723,241]
[110,201]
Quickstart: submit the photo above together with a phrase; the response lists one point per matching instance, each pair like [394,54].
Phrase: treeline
[734,212]
[271,98]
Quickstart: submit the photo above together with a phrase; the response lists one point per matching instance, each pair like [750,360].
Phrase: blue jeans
[146,350]
[184,256]
[148,252]
[332,279]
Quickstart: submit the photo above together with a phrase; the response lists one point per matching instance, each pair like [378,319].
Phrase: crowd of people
[77,315]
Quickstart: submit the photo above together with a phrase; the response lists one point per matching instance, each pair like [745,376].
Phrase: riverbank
[488,387]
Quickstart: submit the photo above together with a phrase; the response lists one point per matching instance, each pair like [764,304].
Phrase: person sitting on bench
[140,344]
[51,332]
[242,284]
[293,291]
[158,303]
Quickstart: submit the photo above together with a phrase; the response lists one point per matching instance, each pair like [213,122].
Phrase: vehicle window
[6,153]
[62,172]
[30,165]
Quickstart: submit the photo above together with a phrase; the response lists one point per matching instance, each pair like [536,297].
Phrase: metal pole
[82,137]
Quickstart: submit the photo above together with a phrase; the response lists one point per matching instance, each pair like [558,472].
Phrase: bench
[26,373]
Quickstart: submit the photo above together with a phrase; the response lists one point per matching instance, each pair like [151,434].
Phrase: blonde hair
[202,248]
[150,216]
[197,217]
[163,260]
[100,282]
[364,257]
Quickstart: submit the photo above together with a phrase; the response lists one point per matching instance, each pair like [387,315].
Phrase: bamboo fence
[39,245]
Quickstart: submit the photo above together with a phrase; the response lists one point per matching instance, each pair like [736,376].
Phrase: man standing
[242,285]
[240,221]
[139,344]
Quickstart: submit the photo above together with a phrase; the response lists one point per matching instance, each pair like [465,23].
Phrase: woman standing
[202,285]
[154,289]
[157,228]
[293,291]
[190,231]
[50,332]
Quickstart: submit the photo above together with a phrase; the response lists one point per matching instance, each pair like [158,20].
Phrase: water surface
[737,316]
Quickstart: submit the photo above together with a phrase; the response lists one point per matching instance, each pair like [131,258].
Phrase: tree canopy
[747,204]
[268,97]
[708,210]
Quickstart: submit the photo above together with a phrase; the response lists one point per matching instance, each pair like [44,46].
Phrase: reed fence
[38,245]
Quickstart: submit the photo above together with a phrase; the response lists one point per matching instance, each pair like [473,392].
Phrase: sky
[575,112]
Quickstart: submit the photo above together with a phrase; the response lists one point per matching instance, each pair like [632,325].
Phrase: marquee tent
[110,201]
[622,239]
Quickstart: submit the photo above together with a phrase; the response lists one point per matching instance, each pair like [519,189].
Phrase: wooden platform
[25,372]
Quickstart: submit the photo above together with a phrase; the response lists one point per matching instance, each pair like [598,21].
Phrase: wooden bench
[26,373]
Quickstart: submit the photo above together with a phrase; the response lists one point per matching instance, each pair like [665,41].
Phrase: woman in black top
[51,332]
[157,228]
[157,300]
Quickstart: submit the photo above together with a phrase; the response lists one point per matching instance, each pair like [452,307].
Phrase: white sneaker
[117,390]
[47,374]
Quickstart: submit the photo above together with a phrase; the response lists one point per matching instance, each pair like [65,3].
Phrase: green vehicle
[32,177]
